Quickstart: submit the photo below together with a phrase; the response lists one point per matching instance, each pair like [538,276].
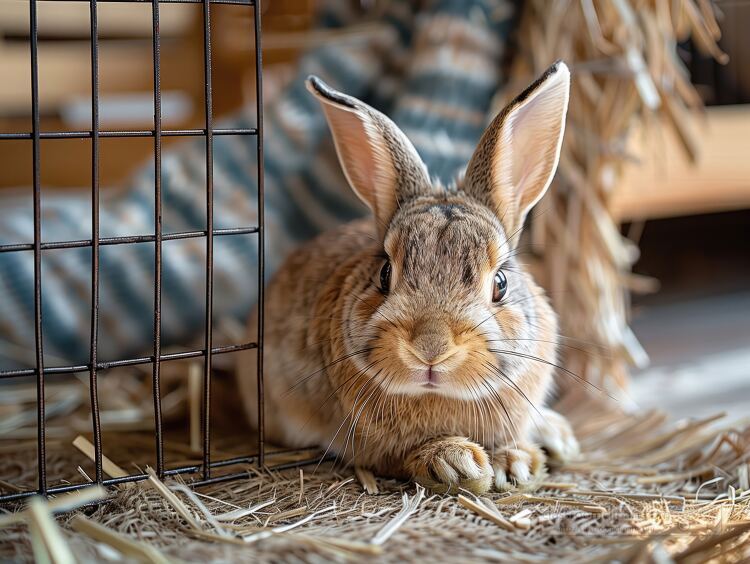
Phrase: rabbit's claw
[518,467]
[451,464]
[554,433]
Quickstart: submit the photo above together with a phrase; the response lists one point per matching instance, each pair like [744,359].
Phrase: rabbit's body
[416,346]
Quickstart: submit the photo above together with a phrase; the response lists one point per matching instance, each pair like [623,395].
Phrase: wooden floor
[700,356]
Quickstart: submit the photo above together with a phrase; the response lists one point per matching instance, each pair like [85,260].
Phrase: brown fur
[347,364]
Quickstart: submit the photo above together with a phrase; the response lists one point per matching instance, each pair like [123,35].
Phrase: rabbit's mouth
[428,378]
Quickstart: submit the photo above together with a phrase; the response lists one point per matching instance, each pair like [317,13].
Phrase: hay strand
[108,467]
[123,544]
[484,511]
[593,514]
[46,535]
[410,505]
[173,500]
[62,504]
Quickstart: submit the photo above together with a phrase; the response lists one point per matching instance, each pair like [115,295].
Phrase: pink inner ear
[518,153]
[366,164]
[535,130]
[521,177]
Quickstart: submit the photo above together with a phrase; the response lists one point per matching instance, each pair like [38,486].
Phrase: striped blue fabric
[433,67]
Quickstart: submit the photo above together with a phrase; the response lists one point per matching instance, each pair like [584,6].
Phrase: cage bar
[36,179]
[79,368]
[230,2]
[157,240]
[93,358]
[127,240]
[261,231]
[209,241]
[94,366]
[129,133]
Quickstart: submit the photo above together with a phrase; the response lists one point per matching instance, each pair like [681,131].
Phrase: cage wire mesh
[201,474]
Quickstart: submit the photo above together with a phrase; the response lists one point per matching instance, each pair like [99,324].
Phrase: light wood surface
[71,19]
[65,73]
[125,66]
[665,184]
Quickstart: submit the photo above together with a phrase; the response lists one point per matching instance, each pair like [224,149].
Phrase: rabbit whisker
[481,322]
[486,417]
[506,429]
[518,390]
[557,366]
[496,396]
[559,336]
[327,366]
[353,427]
[376,310]
[508,339]
[338,388]
[379,404]
[293,361]
[347,416]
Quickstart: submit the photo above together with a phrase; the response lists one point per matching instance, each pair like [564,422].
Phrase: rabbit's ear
[380,163]
[518,154]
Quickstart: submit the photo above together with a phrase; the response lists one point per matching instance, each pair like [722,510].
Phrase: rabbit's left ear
[517,156]
[380,163]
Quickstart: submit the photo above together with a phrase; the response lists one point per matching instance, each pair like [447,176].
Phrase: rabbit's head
[445,307]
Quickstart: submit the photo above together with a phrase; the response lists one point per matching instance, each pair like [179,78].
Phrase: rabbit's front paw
[449,464]
[517,467]
[554,433]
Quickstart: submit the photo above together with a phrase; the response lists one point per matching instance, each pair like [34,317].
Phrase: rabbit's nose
[433,342]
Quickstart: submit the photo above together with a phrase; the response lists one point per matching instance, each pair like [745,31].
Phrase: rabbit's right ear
[380,163]
[518,153]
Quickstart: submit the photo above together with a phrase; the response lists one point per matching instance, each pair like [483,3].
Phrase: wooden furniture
[125,67]
[665,184]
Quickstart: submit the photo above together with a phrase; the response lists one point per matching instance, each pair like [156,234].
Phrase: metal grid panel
[202,472]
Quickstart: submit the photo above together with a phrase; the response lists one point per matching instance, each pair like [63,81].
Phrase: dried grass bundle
[625,69]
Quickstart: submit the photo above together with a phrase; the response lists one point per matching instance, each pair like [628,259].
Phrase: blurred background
[691,221]
[126,77]
[692,224]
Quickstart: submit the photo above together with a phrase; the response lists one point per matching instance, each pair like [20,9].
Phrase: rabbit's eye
[499,286]
[385,277]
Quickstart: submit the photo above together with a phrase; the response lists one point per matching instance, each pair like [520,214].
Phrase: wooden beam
[665,184]
[65,73]
[71,19]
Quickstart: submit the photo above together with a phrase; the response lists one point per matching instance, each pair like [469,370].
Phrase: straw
[128,547]
[410,505]
[47,539]
[108,467]
[484,511]
[173,500]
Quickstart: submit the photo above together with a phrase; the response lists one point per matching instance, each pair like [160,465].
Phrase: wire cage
[200,474]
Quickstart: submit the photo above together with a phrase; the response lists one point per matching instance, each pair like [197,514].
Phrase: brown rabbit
[417,345]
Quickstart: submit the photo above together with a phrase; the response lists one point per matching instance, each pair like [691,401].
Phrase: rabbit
[415,344]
